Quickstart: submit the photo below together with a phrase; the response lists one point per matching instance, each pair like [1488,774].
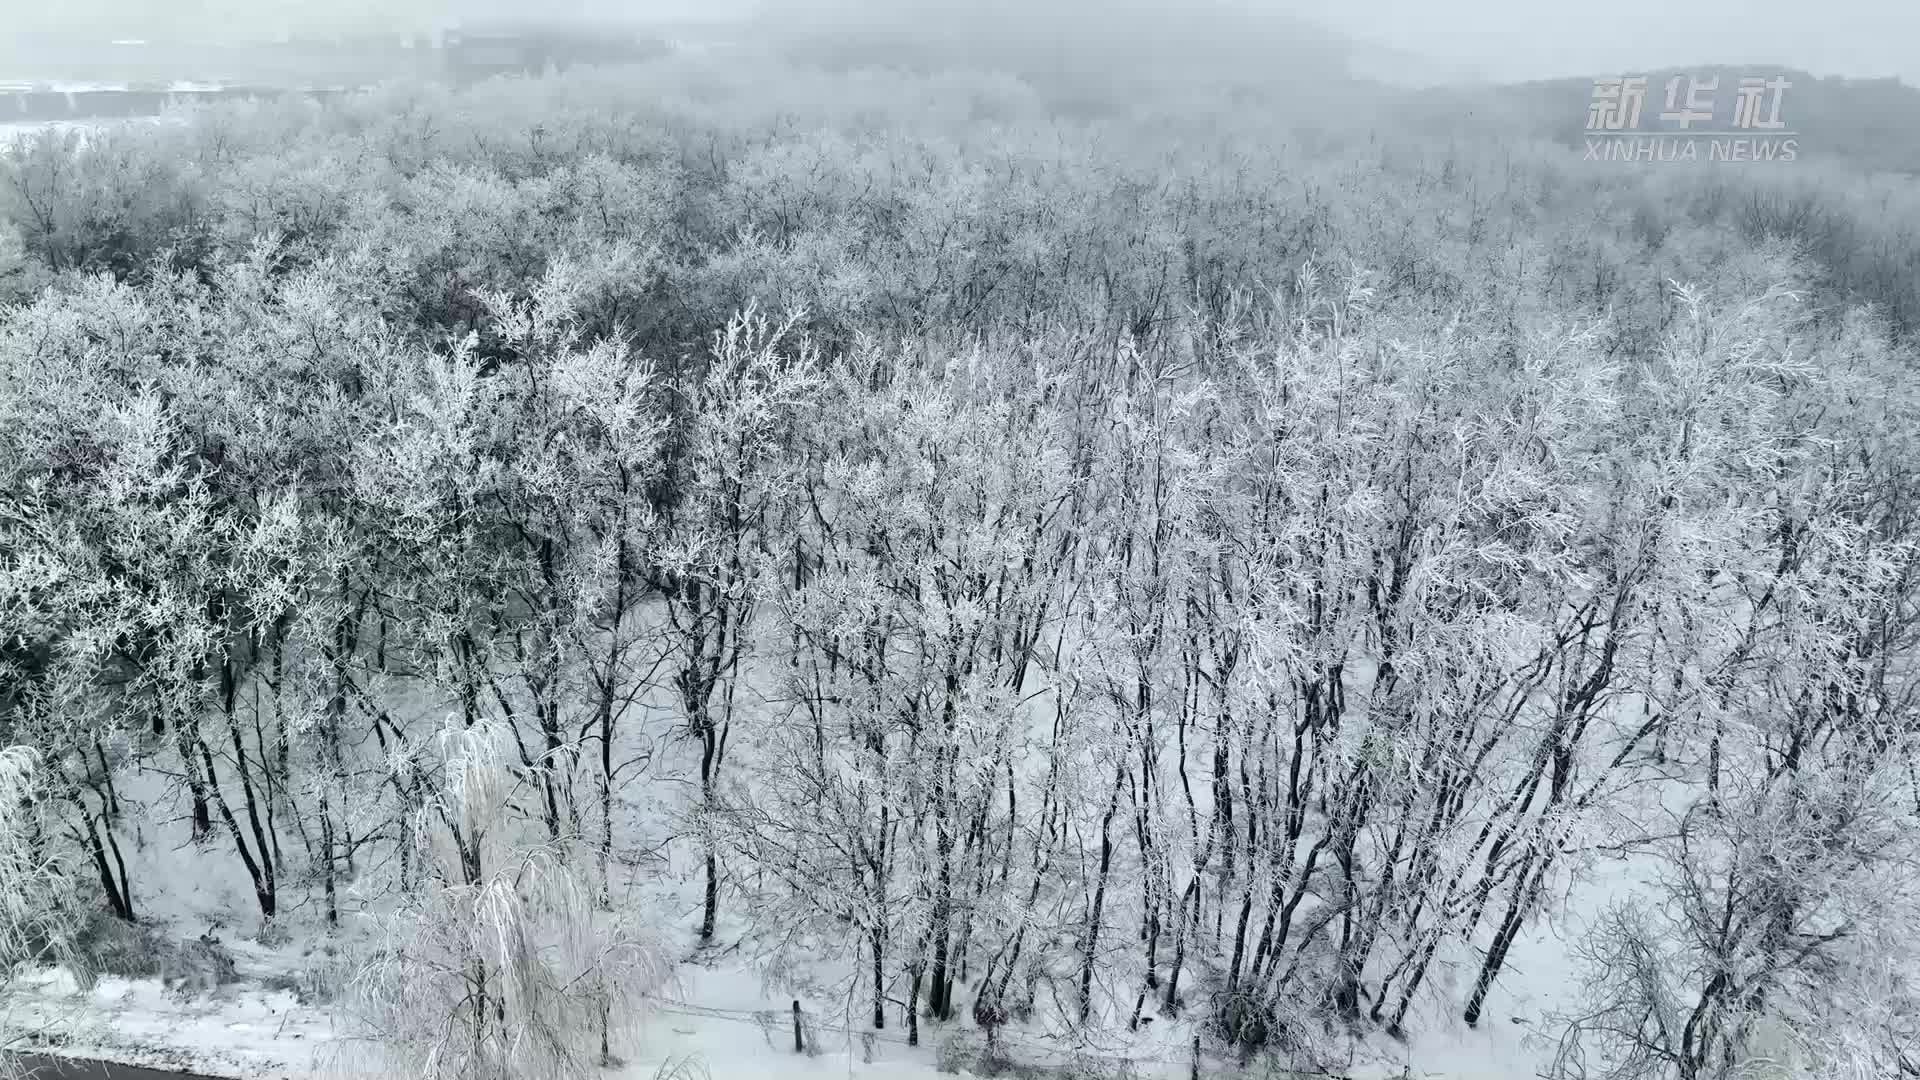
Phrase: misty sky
[1526,39]
[1500,39]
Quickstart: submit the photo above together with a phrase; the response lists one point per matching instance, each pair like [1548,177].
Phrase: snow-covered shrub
[197,967]
[20,275]
[959,1052]
[1096,1067]
[106,945]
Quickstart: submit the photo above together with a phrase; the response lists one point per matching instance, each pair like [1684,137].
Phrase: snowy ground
[237,1031]
[724,1022]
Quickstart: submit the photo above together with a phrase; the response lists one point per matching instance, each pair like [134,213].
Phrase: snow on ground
[239,1030]
[727,1025]
[724,1021]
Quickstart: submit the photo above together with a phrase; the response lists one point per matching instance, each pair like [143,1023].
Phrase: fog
[1530,39]
[1501,40]
[229,20]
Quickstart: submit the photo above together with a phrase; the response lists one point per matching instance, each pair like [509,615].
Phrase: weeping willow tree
[503,964]
[38,913]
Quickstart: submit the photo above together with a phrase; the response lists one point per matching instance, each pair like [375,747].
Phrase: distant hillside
[1389,66]
[1054,45]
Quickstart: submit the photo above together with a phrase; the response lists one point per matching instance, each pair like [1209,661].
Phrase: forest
[1024,562]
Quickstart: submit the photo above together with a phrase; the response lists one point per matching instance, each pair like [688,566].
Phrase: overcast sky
[1501,39]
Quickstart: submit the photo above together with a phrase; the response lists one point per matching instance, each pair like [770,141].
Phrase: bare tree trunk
[1091,945]
[119,893]
[1526,893]
[878,942]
